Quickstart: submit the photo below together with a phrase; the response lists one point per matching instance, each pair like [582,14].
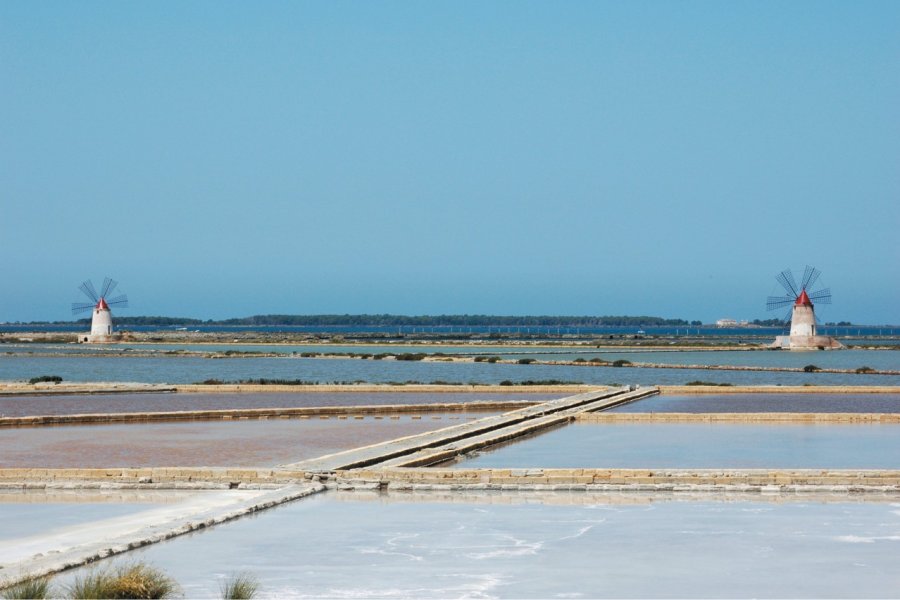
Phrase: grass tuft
[33,588]
[242,586]
[136,580]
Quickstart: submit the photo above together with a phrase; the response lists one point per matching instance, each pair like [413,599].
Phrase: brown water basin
[239,443]
[22,406]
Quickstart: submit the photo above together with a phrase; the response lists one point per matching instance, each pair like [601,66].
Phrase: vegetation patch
[621,363]
[242,586]
[712,383]
[410,356]
[507,382]
[264,381]
[33,588]
[811,368]
[525,361]
[865,369]
[125,581]
[46,379]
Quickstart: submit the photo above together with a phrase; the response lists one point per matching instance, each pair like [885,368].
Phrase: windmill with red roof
[100,304]
[802,314]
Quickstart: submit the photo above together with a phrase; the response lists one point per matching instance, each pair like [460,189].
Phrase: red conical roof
[802,299]
[102,305]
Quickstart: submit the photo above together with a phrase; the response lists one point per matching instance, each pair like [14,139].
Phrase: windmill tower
[803,334]
[101,320]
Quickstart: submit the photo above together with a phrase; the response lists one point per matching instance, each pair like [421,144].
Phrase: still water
[702,446]
[175,369]
[239,443]
[544,546]
[844,359]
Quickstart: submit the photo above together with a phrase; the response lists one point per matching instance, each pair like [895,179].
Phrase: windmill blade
[120,301]
[787,317]
[786,279]
[108,286]
[810,275]
[774,302]
[80,307]
[822,296]
[88,289]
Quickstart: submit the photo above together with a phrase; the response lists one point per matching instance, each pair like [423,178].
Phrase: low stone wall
[623,479]
[371,388]
[155,477]
[777,389]
[536,479]
[749,417]
[264,413]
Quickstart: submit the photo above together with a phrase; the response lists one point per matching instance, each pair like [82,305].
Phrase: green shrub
[211,382]
[598,360]
[525,361]
[621,362]
[580,360]
[242,586]
[45,379]
[865,369]
[493,359]
[698,382]
[506,382]
[33,588]
[410,356]
[125,581]
[308,354]
[480,358]
[811,368]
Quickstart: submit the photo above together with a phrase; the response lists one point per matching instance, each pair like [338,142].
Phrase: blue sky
[668,158]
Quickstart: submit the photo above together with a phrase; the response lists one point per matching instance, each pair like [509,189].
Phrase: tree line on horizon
[388,320]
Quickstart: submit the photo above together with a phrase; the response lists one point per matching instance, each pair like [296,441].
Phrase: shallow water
[543,547]
[169,369]
[31,512]
[844,359]
[251,443]
[701,445]
[18,406]
[803,403]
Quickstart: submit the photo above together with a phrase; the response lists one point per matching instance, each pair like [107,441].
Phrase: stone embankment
[82,544]
[14,388]
[424,479]
[244,414]
[537,479]
[149,478]
[673,480]
[746,417]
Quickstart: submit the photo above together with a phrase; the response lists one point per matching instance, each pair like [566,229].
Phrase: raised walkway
[436,446]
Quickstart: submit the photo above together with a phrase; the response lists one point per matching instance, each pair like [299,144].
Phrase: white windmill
[101,319]
[803,317]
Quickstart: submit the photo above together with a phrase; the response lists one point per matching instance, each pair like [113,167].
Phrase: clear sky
[233,158]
